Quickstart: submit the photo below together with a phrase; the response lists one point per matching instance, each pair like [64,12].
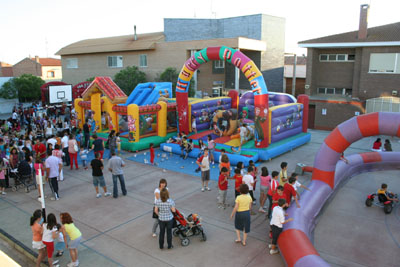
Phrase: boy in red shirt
[151,153]
[278,195]
[238,181]
[222,187]
[290,192]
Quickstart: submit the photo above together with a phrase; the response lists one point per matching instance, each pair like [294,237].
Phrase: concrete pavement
[117,232]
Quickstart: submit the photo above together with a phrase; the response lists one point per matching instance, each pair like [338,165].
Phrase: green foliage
[171,75]
[90,79]
[26,88]
[128,78]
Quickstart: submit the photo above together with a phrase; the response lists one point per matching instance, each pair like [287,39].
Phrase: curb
[26,251]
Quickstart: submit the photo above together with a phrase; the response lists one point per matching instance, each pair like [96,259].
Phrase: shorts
[2,182]
[276,231]
[38,245]
[72,244]
[50,249]
[97,180]
[242,221]
[264,189]
[37,179]
[60,246]
[205,175]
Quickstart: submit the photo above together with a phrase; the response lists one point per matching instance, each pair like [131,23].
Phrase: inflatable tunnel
[294,242]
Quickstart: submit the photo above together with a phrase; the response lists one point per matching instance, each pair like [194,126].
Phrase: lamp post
[294,75]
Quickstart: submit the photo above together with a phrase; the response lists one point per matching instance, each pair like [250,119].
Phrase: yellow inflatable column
[162,119]
[79,112]
[95,102]
[133,123]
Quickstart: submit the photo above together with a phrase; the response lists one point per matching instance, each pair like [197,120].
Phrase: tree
[128,78]
[171,75]
[90,79]
[26,88]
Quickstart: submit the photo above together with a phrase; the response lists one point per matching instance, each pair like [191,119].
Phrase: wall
[27,66]
[57,73]
[300,83]
[337,112]
[7,105]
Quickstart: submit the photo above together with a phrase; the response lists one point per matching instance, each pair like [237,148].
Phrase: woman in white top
[49,234]
[49,130]
[161,186]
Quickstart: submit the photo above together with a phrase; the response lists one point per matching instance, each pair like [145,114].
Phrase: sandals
[238,241]
[243,244]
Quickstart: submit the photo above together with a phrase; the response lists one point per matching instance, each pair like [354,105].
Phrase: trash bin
[299,168]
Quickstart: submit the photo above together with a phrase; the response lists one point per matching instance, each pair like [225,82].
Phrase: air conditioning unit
[394,93]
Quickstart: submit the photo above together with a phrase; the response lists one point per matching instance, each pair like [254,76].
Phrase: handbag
[155,216]
[76,147]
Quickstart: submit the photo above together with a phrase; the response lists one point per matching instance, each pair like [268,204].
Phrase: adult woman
[242,213]
[73,151]
[98,146]
[49,129]
[37,232]
[164,208]
[162,184]
[14,158]
[75,236]
[112,142]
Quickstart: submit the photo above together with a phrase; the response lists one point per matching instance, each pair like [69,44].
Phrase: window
[321,90]
[324,111]
[336,57]
[219,64]
[115,62]
[384,63]
[330,91]
[335,91]
[143,61]
[50,74]
[72,63]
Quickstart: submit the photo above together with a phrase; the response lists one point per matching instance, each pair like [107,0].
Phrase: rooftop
[48,61]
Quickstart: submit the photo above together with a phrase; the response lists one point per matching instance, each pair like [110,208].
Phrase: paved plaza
[117,232]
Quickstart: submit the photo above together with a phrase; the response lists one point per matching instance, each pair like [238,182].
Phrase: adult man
[204,164]
[64,145]
[53,169]
[115,165]
[40,149]
[86,134]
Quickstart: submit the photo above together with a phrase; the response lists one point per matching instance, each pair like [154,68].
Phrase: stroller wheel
[14,188]
[185,242]
[27,190]
[175,232]
[203,237]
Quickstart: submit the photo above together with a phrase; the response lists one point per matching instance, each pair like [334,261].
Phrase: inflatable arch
[241,61]
[294,242]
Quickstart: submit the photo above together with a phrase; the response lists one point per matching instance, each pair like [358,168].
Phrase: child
[50,232]
[249,180]
[255,172]
[151,153]
[211,147]
[387,146]
[283,174]
[240,166]
[386,194]
[202,146]
[83,153]
[224,163]
[238,181]
[60,245]
[78,137]
[343,158]
[194,125]
[265,184]
[277,221]
[377,146]
[39,166]
[221,154]
[184,145]
[289,191]
[235,150]
[297,184]
[272,191]
[118,143]
[2,177]
[223,188]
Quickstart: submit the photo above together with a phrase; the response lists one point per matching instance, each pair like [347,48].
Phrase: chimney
[363,27]
[37,59]
[135,35]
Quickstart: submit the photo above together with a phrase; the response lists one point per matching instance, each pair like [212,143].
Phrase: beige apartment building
[260,37]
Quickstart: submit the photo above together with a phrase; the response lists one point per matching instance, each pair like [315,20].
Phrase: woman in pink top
[265,180]
[73,154]
[37,232]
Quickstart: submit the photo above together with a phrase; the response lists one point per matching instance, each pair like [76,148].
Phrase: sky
[42,27]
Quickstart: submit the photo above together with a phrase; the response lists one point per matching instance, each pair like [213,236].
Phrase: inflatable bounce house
[257,126]
[142,118]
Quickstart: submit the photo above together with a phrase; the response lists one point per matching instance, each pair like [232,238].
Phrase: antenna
[46,45]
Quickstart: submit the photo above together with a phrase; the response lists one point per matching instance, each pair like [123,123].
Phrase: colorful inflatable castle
[259,125]
[142,118]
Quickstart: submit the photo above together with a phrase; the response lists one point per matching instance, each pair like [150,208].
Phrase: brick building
[49,69]
[6,70]
[345,70]
[261,37]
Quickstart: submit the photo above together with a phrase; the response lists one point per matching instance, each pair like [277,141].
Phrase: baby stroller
[22,176]
[191,226]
